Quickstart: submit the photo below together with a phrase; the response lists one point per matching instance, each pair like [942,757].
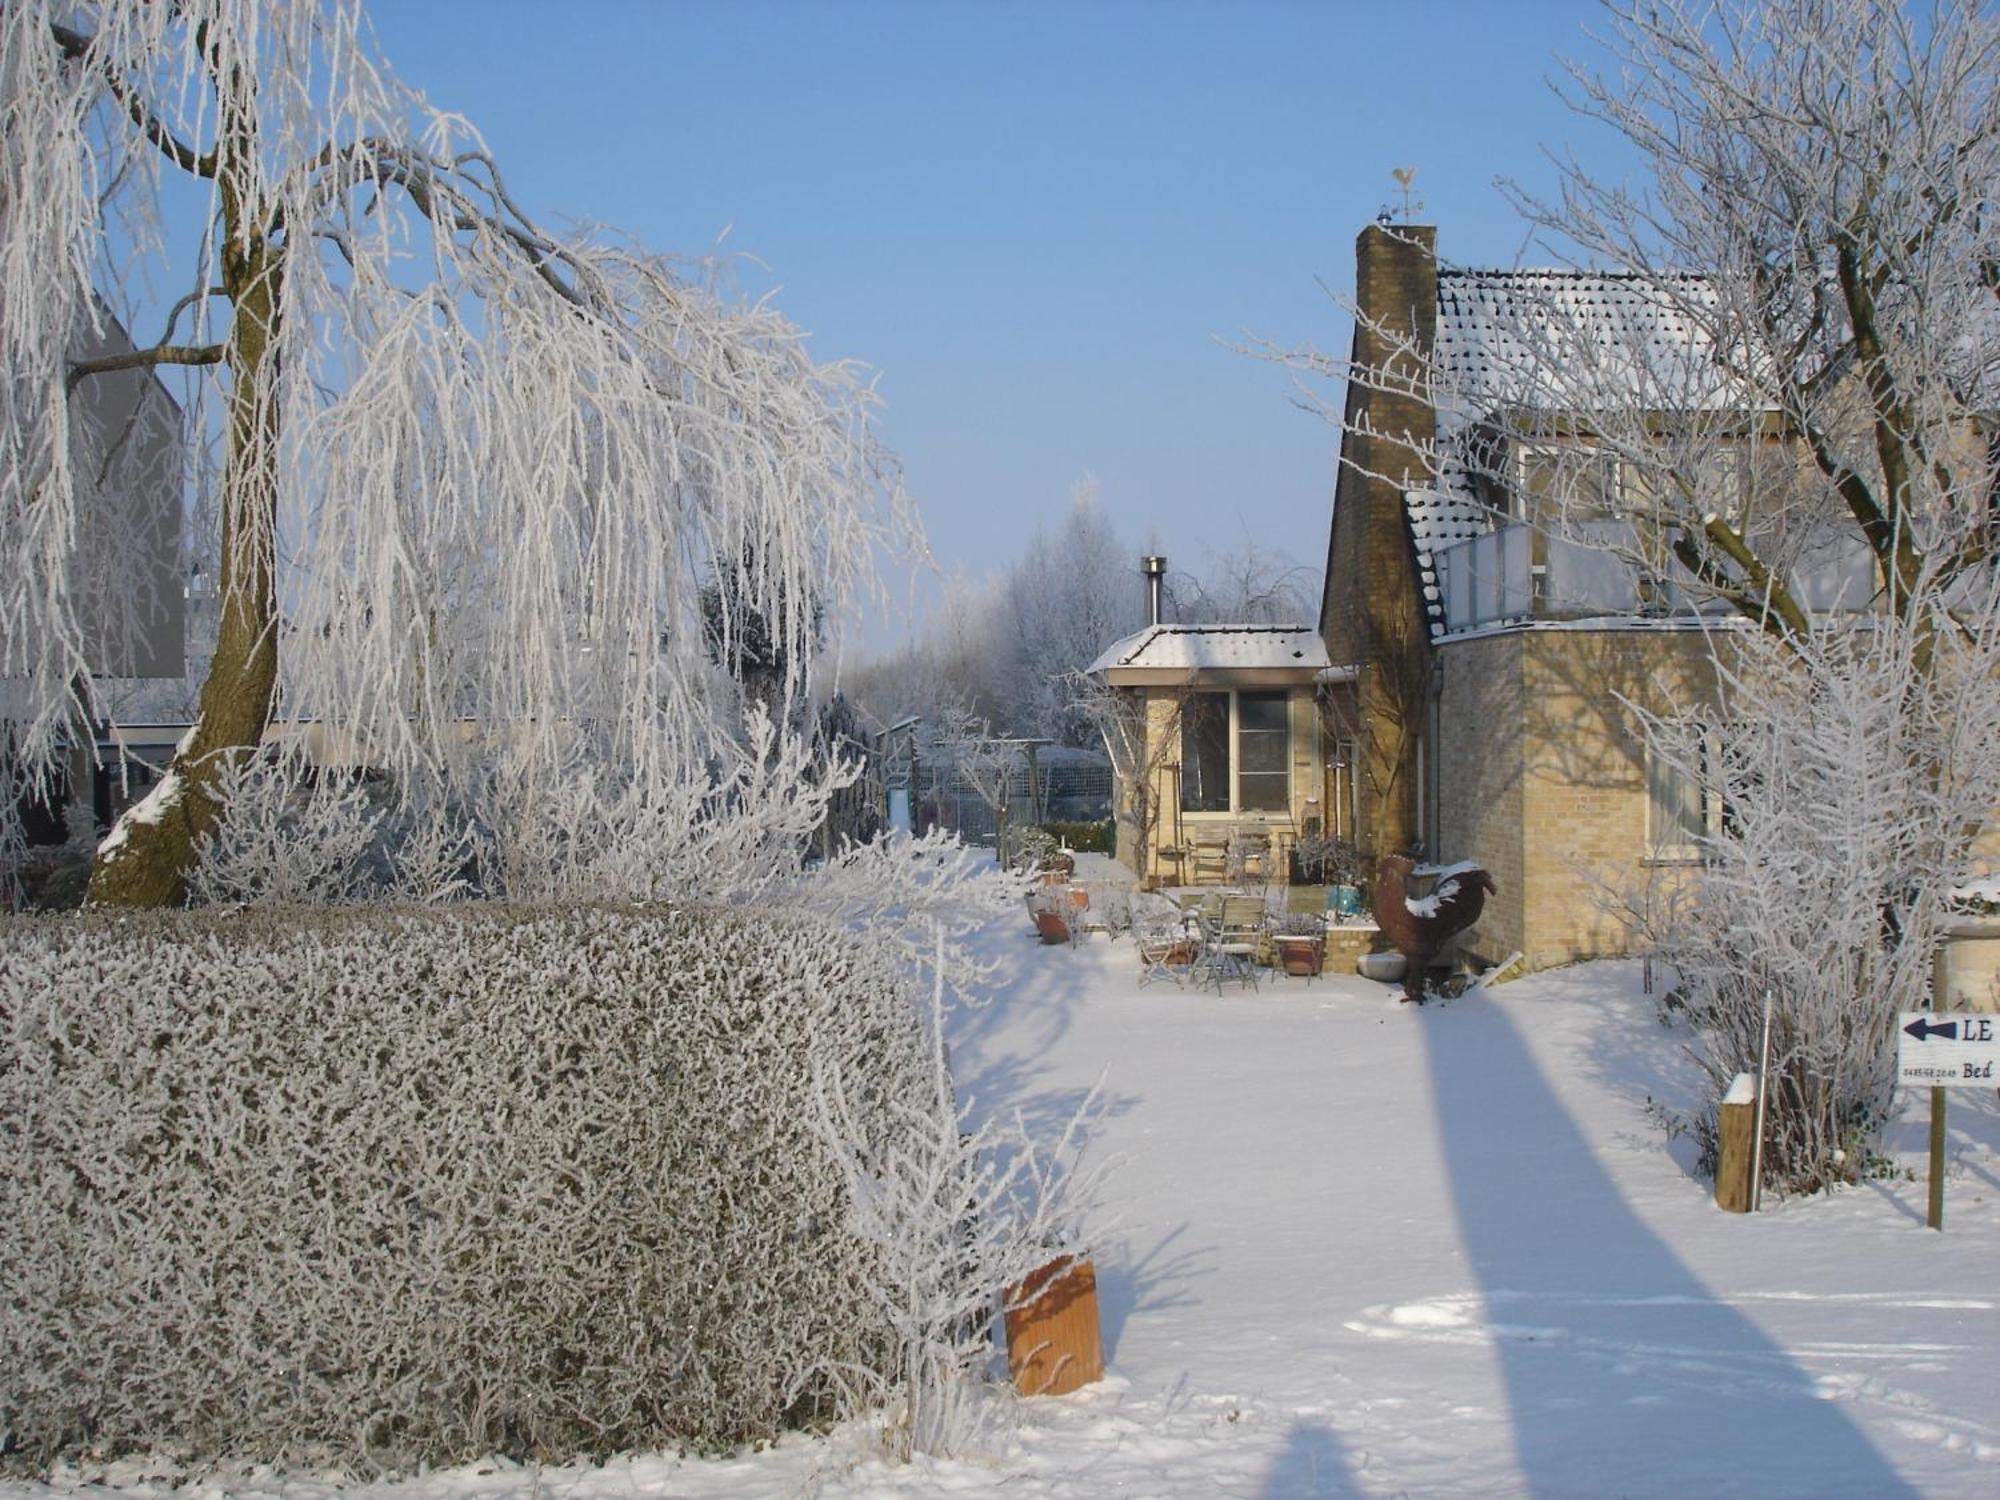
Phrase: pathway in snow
[1445,1250]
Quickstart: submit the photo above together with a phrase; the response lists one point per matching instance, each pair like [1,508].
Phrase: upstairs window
[1583,482]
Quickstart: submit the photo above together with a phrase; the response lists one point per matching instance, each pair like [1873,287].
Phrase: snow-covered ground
[1369,1249]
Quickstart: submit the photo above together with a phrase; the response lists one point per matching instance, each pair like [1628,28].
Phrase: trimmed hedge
[388,1187]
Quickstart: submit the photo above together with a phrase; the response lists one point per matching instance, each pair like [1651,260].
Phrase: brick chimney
[1371,614]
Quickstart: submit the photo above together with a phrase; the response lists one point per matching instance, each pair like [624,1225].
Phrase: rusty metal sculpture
[1419,927]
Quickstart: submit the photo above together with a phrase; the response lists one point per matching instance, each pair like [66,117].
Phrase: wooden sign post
[1945,1049]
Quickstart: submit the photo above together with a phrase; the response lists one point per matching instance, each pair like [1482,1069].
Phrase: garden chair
[1248,857]
[1211,855]
[1168,949]
[1233,940]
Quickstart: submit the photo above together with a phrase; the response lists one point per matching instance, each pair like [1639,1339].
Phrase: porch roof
[1251,654]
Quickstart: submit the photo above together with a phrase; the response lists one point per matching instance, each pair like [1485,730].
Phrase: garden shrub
[381,1187]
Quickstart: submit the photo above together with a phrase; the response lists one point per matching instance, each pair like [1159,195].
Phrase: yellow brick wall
[1543,779]
[1481,789]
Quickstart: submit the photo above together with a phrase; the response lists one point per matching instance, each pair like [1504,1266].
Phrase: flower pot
[1052,927]
[1344,900]
[1299,956]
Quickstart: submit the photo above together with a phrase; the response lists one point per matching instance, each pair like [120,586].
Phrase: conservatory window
[1236,752]
[1264,753]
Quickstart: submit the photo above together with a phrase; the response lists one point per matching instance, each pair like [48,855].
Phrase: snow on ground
[1374,1250]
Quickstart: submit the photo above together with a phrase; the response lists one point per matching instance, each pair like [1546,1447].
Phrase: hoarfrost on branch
[471,476]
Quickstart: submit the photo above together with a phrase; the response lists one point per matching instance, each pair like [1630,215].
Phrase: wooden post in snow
[1736,1138]
[1053,1342]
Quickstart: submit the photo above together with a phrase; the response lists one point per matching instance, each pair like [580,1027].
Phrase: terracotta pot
[1299,956]
[1052,927]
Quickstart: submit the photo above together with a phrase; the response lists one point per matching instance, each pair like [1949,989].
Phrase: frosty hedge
[388,1187]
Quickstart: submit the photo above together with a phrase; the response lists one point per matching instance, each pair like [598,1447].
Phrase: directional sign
[1943,1049]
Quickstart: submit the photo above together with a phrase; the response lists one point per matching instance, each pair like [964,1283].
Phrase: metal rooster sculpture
[1419,927]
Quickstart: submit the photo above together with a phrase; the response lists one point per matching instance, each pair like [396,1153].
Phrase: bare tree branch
[76,45]
[135,359]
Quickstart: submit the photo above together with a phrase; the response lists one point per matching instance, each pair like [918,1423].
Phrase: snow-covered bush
[290,837]
[1839,793]
[381,1187]
[958,1213]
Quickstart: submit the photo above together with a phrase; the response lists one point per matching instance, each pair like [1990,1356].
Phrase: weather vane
[1412,205]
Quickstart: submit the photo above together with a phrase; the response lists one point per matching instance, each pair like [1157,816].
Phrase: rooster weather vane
[1412,204]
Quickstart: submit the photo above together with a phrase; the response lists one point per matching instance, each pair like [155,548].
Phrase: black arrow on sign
[1924,1030]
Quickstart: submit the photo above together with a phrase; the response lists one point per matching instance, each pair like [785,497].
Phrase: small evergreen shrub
[381,1187]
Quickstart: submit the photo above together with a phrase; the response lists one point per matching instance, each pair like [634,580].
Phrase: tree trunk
[148,865]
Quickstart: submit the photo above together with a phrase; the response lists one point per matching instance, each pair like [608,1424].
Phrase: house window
[1682,808]
[1588,483]
[1264,753]
[1584,482]
[1205,753]
[1236,753]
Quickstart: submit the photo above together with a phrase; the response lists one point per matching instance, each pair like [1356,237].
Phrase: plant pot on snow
[1053,1343]
[1299,954]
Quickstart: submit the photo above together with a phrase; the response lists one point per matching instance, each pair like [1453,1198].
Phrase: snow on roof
[1437,520]
[1193,648]
[1538,339]
[1535,338]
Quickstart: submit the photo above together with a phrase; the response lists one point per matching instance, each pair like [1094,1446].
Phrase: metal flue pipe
[1154,571]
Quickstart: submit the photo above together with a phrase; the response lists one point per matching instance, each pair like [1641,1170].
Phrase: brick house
[1491,659]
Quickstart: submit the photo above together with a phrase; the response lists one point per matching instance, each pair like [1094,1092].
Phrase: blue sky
[1041,223]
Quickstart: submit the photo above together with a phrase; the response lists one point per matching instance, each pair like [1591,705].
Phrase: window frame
[1233,747]
[1706,790]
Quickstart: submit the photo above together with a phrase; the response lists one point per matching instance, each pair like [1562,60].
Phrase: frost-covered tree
[471,476]
[986,763]
[1787,424]
[1249,585]
[955,665]
[1074,592]
[1831,803]
[1141,734]
[1011,650]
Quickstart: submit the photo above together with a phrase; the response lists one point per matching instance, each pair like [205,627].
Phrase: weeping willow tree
[471,477]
